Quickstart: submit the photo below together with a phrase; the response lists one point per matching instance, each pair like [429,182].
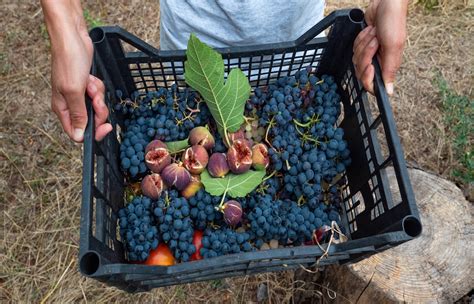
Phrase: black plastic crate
[376,215]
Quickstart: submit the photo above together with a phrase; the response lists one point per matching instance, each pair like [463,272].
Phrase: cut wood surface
[436,267]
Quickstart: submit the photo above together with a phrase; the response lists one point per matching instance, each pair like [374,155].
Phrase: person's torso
[221,23]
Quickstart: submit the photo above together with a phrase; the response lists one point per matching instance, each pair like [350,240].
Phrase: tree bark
[436,267]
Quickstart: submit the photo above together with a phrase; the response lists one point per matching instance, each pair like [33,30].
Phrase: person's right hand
[71,50]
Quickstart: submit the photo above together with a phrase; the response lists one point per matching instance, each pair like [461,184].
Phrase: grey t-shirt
[221,23]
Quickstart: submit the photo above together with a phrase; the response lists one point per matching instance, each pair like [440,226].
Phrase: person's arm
[71,59]
[385,35]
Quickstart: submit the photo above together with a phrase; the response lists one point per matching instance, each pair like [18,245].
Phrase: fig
[239,156]
[152,185]
[193,187]
[176,175]
[240,134]
[201,136]
[217,166]
[157,156]
[260,158]
[154,144]
[232,212]
[195,159]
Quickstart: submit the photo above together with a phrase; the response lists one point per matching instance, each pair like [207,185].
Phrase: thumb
[391,59]
[78,114]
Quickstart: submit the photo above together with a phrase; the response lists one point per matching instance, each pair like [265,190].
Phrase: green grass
[91,21]
[428,4]
[459,120]
[4,64]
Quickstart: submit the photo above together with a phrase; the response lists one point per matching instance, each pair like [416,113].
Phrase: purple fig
[260,158]
[232,212]
[176,175]
[217,166]
[201,136]
[157,159]
[152,185]
[193,187]
[154,144]
[239,134]
[195,159]
[239,156]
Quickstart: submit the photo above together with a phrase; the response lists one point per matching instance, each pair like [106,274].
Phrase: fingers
[367,78]
[59,107]
[365,48]
[391,59]
[96,90]
[77,112]
[102,130]
[365,34]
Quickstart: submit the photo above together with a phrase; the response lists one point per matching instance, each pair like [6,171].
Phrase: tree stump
[436,267]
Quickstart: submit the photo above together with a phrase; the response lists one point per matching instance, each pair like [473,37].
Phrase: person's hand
[71,50]
[385,36]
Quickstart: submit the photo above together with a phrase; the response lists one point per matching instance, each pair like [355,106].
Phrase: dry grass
[41,169]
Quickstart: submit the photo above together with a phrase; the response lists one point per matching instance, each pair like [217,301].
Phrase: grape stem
[272,122]
[301,200]
[247,119]
[269,176]
[167,199]
[304,125]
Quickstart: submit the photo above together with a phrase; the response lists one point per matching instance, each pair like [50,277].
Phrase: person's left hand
[385,36]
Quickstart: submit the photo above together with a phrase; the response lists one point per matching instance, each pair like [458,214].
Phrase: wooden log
[436,267]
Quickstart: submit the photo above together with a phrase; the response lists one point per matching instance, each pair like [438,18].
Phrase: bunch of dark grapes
[266,220]
[132,151]
[299,114]
[175,225]
[203,211]
[286,221]
[164,114]
[222,241]
[137,228]
[301,223]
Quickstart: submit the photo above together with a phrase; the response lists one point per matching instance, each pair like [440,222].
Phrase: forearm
[63,18]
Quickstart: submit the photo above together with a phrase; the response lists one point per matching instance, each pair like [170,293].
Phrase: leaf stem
[226,138]
[222,201]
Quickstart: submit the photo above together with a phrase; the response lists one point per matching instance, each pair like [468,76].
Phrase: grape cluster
[253,131]
[203,211]
[175,225]
[300,113]
[217,242]
[164,114]
[137,228]
[285,221]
